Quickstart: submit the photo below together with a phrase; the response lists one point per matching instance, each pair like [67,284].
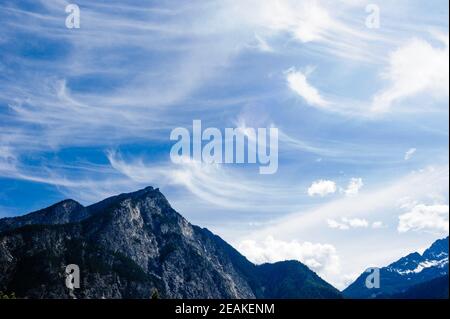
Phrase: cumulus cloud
[425,218]
[298,82]
[347,223]
[417,67]
[409,153]
[322,188]
[354,186]
[322,258]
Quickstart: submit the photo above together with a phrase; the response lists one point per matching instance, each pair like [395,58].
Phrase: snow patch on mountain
[423,265]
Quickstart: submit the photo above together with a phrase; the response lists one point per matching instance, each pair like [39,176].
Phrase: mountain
[404,274]
[63,212]
[436,288]
[130,245]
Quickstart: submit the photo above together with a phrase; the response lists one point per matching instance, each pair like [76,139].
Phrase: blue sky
[362,114]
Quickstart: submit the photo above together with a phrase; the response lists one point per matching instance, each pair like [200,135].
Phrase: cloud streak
[298,82]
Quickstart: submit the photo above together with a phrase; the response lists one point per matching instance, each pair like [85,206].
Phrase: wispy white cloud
[211,183]
[84,182]
[409,153]
[298,82]
[42,102]
[308,22]
[262,44]
[138,93]
[295,143]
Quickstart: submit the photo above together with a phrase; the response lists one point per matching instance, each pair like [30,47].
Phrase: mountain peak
[144,191]
[406,272]
[147,193]
[69,210]
[438,249]
[67,204]
[65,211]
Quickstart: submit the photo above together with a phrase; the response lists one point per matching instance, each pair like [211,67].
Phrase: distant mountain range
[416,276]
[131,246]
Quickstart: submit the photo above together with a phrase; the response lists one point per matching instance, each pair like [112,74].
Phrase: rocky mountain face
[129,246]
[410,272]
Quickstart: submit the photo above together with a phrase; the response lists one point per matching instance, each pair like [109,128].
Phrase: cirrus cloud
[409,153]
